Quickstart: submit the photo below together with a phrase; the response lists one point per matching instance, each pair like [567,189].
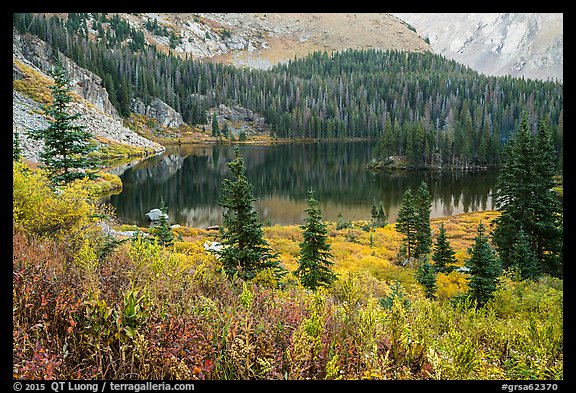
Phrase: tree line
[419,105]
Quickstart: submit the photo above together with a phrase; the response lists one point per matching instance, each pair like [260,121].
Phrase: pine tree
[485,268]
[382,217]
[225,130]
[397,293]
[163,232]
[524,256]
[378,216]
[407,223]
[66,145]
[314,260]
[443,256]
[423,202]
[245,252]
[215,126]
[426,276]
[16,149]
[525,199]
[374,213]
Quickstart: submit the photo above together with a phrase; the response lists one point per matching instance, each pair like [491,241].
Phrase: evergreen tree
[396,293]
[407,223]
[215,126]
[378,216]
[16,149]
[374,213]
[66,145]
[524,256]
[525,199]
[485,268]
[163,232]
[382,217]
[426,276]
[443,256]
[314,260]
[423,202]
[225,130]
[244,252]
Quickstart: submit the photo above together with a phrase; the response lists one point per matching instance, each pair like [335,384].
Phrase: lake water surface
[189,180]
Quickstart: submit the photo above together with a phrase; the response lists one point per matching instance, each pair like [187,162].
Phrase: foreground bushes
[148,313]
[85,307]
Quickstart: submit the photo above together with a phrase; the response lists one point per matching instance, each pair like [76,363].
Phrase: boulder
[155,214]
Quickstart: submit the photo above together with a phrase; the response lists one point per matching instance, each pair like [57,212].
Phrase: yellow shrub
[41,211]
[450,285]
[34,84]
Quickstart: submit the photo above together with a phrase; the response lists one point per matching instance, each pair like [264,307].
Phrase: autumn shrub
[136,310]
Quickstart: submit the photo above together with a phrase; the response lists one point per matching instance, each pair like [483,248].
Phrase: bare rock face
[159,110]
[518,44]
[32,51]
[260,40]
[97,113]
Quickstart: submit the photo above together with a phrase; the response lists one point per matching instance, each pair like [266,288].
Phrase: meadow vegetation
[87,305]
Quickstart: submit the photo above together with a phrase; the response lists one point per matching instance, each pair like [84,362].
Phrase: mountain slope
[517,44]
[261,40]
[32,59]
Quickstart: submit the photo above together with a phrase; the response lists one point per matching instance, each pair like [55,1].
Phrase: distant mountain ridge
[260,40]
[529,45]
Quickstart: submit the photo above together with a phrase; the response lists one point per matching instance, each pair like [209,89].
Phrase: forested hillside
[419,105]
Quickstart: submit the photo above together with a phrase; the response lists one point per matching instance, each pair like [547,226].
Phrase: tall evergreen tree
[407,222]
[485,268]
[525,199]
[378,216]
[314,260]
[244,252]
[215,126]
[423,202]
[426,276]
[524,256]
[16,149]
[443,255]
[66,144]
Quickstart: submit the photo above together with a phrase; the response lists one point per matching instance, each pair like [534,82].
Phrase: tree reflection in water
[189,180]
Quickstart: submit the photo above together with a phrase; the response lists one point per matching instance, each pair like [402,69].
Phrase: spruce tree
[443,256]
[524,256]
[426,276]
[382,217]
[485,268]
[215,126]
[16,149]
[378,216]
[407,222]
[66,145]
[244,252]
[423,202]
[314,260]
[225,130]
[163,232]
[525,199]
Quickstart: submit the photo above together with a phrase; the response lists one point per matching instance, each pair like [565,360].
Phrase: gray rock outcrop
[98,114]
[34,52]
[158,110]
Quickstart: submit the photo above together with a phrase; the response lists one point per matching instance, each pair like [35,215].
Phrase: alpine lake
[189,179]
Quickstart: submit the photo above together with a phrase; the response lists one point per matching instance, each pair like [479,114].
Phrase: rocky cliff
[158,110]
[518,44]
[32,59]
